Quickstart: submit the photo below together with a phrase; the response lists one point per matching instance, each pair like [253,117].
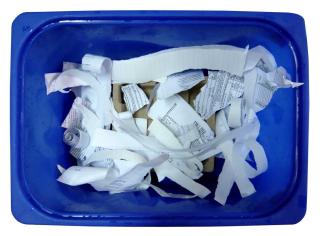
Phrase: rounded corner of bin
[18,217]
[300,216]
[19,19]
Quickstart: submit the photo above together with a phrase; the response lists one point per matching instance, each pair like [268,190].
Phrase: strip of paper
[167,62]
[184,181]
[78,175]
[179,82]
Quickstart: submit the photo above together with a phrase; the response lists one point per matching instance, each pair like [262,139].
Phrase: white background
[307,8]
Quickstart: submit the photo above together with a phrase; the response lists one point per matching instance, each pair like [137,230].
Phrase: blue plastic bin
[42,41]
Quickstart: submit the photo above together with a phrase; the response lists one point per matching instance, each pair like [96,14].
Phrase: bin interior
[42,115]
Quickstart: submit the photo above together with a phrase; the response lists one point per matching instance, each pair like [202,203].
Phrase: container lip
[27,25]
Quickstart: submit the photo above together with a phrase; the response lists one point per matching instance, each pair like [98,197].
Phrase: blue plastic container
[41,41]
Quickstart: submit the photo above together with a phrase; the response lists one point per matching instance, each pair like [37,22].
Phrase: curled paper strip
[76,138]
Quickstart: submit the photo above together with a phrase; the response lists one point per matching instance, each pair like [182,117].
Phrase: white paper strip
[121,154]
[179,82]
[163,193]
[232,169]
[70,65]
[115,140]
[260,57]
[167,62]
[132,179]
[67,79]
[178,177]
[192,167]
[78,175]
[142,125]
[163,134]
[235,114]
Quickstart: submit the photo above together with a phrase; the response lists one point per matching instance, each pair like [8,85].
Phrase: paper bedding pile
[176,131]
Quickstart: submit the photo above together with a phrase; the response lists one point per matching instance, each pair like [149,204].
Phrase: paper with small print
[218,93]
[134,97]
[179,82]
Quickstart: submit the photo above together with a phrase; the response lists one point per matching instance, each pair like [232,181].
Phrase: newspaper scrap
[240,83]
[179,82]
[134,97]
[218,93]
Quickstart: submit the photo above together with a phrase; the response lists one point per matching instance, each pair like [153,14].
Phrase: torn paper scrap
[170,61]
[175,114]
[67,79]
[92,87]
[258,92]
[115,140]
[191,135]
[134,97]
[235,113]
[70,65]
[134,178]
[163,134]
[165,194]
[78,175]
[233,170]
[260,57]
[115,155]
[123,160]
[97,64]
[192,167]
[130,180]
[183,180]
[100,67]
[260,86]
[179,82]
[81,117]
[74,117]
[218,93]
[282,79]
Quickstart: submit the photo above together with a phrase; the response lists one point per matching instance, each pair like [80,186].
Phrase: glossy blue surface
[41,41]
